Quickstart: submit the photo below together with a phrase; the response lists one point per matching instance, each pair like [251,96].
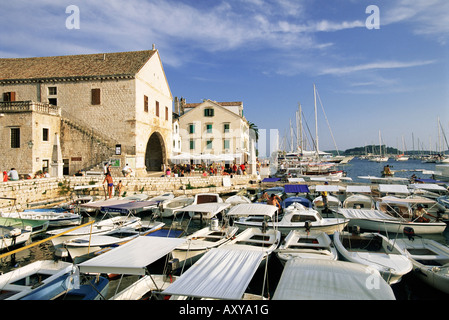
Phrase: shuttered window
[208,112]
[96,96]
[9,96]
[166,113]
[157,108]
[145,103]
[15,137]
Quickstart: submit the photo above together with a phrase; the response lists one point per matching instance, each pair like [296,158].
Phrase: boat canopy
[128,207]
[222,273]
[132,257]
[365,214]
[103,203]
[290,200]
[296,188]
[271,179]
[212,207]
[427,186]
[328,188]
[358,189]
[253,209]
[393,188]
[409,201]
[316,279]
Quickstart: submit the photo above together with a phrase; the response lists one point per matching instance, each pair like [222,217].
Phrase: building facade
[112,106]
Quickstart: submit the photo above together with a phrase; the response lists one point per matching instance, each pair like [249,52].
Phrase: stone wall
[31,193]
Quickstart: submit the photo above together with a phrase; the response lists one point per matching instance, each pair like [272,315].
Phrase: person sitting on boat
[264,197]
[387,170]
[420,213]
[324,198]
[275,201]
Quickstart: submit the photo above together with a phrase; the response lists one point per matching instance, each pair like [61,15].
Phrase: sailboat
[380,158]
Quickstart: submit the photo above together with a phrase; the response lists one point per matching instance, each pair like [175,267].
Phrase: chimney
[183,103]
[177,105]
[154,46]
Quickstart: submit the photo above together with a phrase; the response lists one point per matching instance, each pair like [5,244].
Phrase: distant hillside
[374,149]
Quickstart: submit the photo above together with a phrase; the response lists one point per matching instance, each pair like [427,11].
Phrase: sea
[410,288]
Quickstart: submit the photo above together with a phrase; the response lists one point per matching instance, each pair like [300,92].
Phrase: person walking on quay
[110,182]
[126,170]
[119,188]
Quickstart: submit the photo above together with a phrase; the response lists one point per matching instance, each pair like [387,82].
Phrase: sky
[379,67]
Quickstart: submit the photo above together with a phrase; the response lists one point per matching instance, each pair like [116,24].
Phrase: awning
[296,188]
[427,186]
[102,203]
[220,274]
[365,214]
[358,189]
[132,257]
[127,207]
[429,181]
[210,207]
[318,279]
[271,179]
[393,188]
[328,188]
[253,209]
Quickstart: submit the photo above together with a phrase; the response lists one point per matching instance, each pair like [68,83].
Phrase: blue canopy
[271,179]
[125,208]
[428,181]
[305,202]
[295,188]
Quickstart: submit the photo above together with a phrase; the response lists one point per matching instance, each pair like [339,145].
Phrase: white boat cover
[393,188]
[357,189]
[103,203]
[317,279]
[365,214]
[211,207]
[132,257]
[409,201]
[427,186]
[221,273]
[253,209]
[328,188]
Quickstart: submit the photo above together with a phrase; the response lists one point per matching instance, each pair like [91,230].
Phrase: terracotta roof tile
[100,64]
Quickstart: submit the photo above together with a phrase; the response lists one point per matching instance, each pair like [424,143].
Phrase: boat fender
[214,224]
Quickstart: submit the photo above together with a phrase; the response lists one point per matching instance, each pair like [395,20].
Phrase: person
[420,213]
[126,170]
[119,188]
[168,172]
[13,174]
[264,197]
[46,174]
[110,183]
[324,198]
[79,174]
[275,201]
[5,176]
[387,171]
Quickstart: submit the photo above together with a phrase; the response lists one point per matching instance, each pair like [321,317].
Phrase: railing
[28,106]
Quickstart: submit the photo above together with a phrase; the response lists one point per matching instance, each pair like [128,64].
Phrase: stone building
[105,107]
[217,128]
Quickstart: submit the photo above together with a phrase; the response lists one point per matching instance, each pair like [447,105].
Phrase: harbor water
[410,288]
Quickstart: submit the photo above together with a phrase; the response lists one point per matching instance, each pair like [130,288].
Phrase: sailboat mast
[301,140]
[316,123]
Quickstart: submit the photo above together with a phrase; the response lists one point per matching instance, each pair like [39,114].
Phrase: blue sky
[268,54]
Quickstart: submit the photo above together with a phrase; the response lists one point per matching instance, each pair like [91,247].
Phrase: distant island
[374,149]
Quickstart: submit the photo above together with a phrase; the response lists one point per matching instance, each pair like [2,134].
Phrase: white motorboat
[202,241]
[40,280]
[11,236]
[312,244]
[98,227]
[83,247]
[359,201]
[430,260]
[294,217]
[170,207]
[201,198]
[376,250]
[55,217]
[323,279]
[206,211]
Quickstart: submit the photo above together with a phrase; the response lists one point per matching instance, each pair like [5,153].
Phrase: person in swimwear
[110,182]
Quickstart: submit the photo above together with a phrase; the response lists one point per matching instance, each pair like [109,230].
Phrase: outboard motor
[172,266]
[410,233]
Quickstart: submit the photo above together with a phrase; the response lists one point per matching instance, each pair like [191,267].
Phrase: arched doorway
[155,152]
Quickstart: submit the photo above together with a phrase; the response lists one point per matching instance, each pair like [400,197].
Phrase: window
[166,113]
[157,108]
[208,112]
[45,134]
[145,103]
[95,96]
[226,127]
[209,144]
[52,91]
[15,137]
[208,128]
[226,144]
[53,101]
[9,96]
[192,144]
[191,128]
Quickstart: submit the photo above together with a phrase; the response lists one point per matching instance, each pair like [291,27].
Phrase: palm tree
[253,131]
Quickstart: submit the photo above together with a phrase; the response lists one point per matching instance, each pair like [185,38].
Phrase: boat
[430,260]
[237,199]
[359,201]
[206,197]
[55,217]
[373,249]
[433,207]
[91,288]
[306,244]
[35,226]
[403,209]
[11,236]
[221,273]
[324,279]
[290,200]
[86,246]
[294,217]
[40,280]
[98,227]
[169,208]
[202,241]
[146,287]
